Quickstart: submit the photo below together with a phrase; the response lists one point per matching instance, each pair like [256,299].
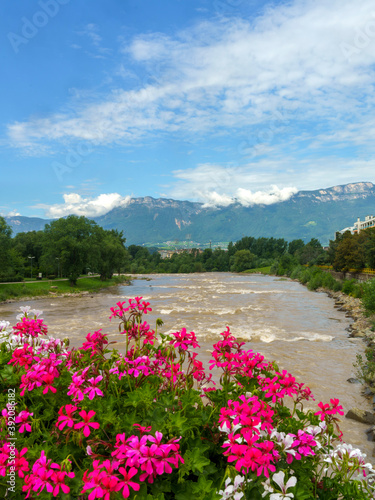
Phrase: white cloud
[13,213]
[233,73]
[214,199]
[275,195]
[218,185]
[248,198]
[75,204]
[221,185]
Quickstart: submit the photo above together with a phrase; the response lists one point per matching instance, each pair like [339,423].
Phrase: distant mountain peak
[354,187]
[307,214]
[350,191]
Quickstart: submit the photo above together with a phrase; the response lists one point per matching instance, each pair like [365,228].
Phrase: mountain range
[307,214]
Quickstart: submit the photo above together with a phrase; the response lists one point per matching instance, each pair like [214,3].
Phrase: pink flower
[22,418]
[75,387]
[58,480]
[21,464]
[142,429]
[184,340]
[86,424]
[48,380]
[335,407]
[95,341]
[41,475]
[32,327]
[119,313]
[125,483]
[23,356]
[93,389]
[66,419]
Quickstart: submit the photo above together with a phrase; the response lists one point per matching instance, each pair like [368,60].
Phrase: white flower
[278,478]
[25,309]
[231,491]
[267,487]
[36,313]
[285,441]
[224,428]
[4,325]
[238,480]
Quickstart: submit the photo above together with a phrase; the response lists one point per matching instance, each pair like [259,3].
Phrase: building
[359,225]
[368,222]
[167,254]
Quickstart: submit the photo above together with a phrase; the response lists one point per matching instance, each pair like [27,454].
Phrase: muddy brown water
[299,329]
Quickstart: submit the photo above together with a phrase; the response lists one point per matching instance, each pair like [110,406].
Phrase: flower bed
[150,423]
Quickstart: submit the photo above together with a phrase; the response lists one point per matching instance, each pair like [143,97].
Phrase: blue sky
[203,100]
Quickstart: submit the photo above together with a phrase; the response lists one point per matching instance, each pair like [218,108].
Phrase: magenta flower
[95,341]
[75,387]
[58,480]
[324,410]
[125,483]
[48,380]
[66,419]
[22,418]
[21,465]
[120,311]
[93,388]
[86,424]
[32,327]
[23,356]
[184,340]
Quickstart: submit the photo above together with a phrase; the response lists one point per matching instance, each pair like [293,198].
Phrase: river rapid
[300,330]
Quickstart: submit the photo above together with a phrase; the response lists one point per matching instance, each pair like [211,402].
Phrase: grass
[262,270]
[19,290]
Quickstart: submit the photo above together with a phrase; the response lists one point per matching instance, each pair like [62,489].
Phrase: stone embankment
[361,327]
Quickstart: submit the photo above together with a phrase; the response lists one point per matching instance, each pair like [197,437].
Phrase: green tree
[311,253]
[295,245]
[73,241]
[242,260]
[10,262]
[367,241]
[29,244]
[349,253]
[111,252]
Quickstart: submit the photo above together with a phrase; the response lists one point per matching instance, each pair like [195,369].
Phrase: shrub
[150,423]
[328,281]
[337,286]
[348,286]
[296,272]
[316,279]
[368,296]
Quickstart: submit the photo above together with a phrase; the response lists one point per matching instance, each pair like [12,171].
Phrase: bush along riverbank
[62,288]
[150,423]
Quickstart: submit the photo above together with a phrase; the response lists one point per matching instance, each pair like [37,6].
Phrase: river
[300,330]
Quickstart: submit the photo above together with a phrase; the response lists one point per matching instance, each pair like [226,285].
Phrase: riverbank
[28,291]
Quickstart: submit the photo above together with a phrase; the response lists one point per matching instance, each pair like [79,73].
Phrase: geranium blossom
[67,419]
[22,418]
[279,480]
[86,424]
